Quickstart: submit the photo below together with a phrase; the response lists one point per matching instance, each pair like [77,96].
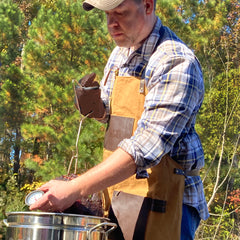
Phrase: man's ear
[149,6]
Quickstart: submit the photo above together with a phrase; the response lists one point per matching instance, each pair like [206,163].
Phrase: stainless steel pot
[56,226]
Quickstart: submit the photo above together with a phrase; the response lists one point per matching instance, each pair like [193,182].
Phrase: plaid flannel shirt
[173,77]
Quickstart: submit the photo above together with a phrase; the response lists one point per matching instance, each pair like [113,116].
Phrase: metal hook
[78,134]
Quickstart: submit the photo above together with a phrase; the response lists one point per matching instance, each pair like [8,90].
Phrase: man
[151,92]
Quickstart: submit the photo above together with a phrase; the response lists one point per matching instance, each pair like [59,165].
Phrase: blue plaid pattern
[173,78]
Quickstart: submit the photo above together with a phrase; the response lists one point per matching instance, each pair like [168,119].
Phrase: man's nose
[111,20]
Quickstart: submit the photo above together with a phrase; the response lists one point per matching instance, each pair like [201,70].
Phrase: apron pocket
[131,212]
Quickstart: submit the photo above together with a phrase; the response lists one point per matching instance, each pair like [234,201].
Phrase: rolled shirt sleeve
[175,95]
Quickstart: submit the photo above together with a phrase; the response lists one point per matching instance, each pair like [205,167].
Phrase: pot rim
[56,214]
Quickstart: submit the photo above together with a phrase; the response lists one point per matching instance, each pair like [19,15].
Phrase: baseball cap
[104,5]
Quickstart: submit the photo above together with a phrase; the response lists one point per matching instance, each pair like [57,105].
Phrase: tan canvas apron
[150,208]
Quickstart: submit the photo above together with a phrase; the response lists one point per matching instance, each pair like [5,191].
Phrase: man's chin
[122,44]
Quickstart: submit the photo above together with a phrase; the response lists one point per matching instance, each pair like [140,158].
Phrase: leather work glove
[88,97]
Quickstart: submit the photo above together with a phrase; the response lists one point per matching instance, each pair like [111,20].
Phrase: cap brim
[104,5]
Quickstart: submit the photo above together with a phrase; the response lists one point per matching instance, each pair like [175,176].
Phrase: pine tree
[10,80]
[65,43]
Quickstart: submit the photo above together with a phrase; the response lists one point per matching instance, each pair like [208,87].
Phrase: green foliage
[49,170]
[11,197]
[12,93]
[171,14]
[210,28]
[221,109]
[10,20]
[66,41]
[220,140]
[89,153]
[14,197]
[57,52]
[39,122]
[220,226]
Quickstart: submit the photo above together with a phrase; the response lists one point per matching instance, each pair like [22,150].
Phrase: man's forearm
[116,168]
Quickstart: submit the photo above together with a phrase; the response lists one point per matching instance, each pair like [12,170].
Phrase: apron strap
[148,205]
[186,173]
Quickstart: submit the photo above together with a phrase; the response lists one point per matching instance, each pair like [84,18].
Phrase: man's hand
[88,100]
[59,195]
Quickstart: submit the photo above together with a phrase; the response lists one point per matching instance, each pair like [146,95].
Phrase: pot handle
[5,222]
[112,225]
